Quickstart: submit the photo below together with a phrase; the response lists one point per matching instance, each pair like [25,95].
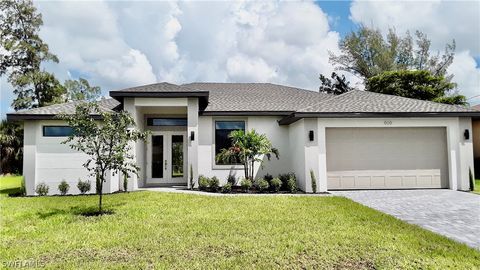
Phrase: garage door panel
[370,158]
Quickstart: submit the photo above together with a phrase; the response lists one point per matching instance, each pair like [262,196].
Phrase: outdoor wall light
[311,135]
[466,134]
[192,135]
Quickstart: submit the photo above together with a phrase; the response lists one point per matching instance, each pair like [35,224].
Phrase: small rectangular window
[222,130]
[57,131]
[166,121]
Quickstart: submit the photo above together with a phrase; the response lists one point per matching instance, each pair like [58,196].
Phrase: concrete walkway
[454,214]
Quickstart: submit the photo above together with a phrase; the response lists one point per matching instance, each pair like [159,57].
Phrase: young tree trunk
[100,193]
[253,169]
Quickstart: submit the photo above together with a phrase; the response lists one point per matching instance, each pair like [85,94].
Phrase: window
[167,121]
[222,129]
[57,131]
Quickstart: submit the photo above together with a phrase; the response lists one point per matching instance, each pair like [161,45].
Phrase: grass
[162,230]
[477,186]
[10,184]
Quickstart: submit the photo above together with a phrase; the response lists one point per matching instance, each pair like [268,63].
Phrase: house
[476,142]
[357,140]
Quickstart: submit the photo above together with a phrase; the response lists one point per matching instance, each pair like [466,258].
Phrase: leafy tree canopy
[367,53]
[22,52]
[336,85]
[105,142]
[11,152]
[418,84]
[81,90]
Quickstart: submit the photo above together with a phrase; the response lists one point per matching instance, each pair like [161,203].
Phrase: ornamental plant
[248,148]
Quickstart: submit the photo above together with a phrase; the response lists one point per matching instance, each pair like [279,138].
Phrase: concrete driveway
[454,214]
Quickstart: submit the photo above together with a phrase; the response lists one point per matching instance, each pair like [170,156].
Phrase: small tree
[337,85]
[106,142]
[248,148]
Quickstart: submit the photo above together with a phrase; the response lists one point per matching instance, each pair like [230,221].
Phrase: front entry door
[166,158]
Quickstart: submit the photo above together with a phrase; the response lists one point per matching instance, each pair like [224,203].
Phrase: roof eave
[299,115]
[24,117]
[245,113]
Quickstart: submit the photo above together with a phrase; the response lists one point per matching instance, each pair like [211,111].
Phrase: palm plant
[11,147]
[247,148]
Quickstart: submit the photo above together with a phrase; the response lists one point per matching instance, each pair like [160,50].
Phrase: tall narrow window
[177,156]
[157,156]
[222,130]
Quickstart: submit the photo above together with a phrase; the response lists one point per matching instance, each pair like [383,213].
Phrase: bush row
[83,186]
[284,182]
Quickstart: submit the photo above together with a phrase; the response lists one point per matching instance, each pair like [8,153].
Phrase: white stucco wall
[278,135]
[47,160]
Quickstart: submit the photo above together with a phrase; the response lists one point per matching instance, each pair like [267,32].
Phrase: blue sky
[122,44]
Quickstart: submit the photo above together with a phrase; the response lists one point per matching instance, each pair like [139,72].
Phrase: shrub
[246,184]
[214,184]
[292,185]
[203,182]
[63,187]
[232,179]
[262,185]
[314,181]
[42,189]
[268,177]
[284,178]
[275,184]
[84,186]
[227,188]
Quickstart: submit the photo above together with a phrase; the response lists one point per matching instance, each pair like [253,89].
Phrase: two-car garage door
[386,158]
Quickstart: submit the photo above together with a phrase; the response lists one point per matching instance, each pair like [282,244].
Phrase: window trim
[216,166]
[54,126]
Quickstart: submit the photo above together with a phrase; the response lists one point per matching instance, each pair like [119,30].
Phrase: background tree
[23,52]
[248,148]
[336,85]
[106,142]
[398,65]
[419,84]
[11,151]
[81,90]
[366,53]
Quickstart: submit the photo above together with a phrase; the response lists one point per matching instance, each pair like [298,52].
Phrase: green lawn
[162,230]
[9,184]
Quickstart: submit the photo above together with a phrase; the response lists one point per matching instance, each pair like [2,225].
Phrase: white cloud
[442,21]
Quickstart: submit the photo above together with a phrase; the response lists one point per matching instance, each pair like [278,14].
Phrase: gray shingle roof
[265,97]
[105,105]
[254,97]
[158,87]
[369,102]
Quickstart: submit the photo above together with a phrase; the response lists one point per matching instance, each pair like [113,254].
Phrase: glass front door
[166,154]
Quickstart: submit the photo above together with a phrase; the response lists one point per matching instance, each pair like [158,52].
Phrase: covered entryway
[166,152]
[387,158]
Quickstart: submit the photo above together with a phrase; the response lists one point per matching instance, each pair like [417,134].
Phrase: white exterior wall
[297,148]
[278,135]
[47,160]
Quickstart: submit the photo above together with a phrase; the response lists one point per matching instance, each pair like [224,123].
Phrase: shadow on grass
[77,211]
